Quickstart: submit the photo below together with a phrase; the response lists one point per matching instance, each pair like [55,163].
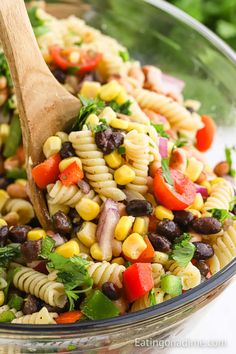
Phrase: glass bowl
[155,33]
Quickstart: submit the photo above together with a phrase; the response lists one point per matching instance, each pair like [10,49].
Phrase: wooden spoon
[44,105]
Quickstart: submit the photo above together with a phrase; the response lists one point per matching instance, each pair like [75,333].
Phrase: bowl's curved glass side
[116,339]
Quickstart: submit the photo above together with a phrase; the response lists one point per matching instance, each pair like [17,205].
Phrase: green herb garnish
[72,272]
[228,155]
[182,250]
[47,246]
[124,54]
[121,150]
[4,69]
[152,297]
[221,214]
[8,253]
[89,106]
[160,130]
[72,70]
[37,23]
[16,173]
[166,171]
[102,126]
[14,138]
[123,108]
[180,143]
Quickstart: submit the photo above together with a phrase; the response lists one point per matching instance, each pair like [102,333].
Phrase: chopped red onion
[106,227]
[163,147]
[202,190]
[59,240]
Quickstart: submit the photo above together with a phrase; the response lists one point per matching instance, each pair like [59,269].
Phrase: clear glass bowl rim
[201,290]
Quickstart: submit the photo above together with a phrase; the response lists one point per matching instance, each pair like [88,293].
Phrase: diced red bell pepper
[71,175]
[47,172]
[138,280]
[69,317]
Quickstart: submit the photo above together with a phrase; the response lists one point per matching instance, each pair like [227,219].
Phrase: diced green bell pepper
[15,302]
[97,306]
[7,316]
[171,284]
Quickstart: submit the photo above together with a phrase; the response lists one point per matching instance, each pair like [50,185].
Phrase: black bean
[138,207]
[190,109]
[62,223]
[31,305]
[183,218]
[203,267]
[169,229]
[30,250]
[203,251]
[234,210]
[159,243]
[4,182]
[19,233]
[67,150]
[108,141]
[59,75]
[206,225]
[4,230]
[111,290]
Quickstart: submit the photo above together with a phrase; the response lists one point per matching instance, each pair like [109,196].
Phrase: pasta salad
[138,216]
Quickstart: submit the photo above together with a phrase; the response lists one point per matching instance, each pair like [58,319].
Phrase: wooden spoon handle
[19,42]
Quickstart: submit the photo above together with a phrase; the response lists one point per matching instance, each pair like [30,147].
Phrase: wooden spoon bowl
[44,105]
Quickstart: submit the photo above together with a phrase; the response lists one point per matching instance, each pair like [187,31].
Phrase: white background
[218,323]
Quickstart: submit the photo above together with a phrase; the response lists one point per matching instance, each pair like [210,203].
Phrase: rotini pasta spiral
[224,249]
[178,116]
[63,195]
[144,301]
[37,284]
[221,196]
[41,317]
[137,152]
[157,272]
[94,165]
[190,275]
[102,272]
[23,209]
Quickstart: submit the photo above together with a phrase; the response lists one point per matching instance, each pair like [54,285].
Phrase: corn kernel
[141,128]
[110,91]
[68,161]
[51,146]
[87,233]
[87,209]
[3,222]
[207,185]
[108,114]
[118,260]
[96,252]
[163,213]
[119,124]
[123,228]
[4,196]
[133,246]
[141,225]
[68,249]
[90,89]
[124,175]
[217,180]
[74,57]
[21,181]
[92,121]
[195,212]
[194,169]
[114,160]
[4,132]
[122,97]
[35,235]
[63,136]
[198,202]
[2,298]
[47,57]
[54,208]
[82,247]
